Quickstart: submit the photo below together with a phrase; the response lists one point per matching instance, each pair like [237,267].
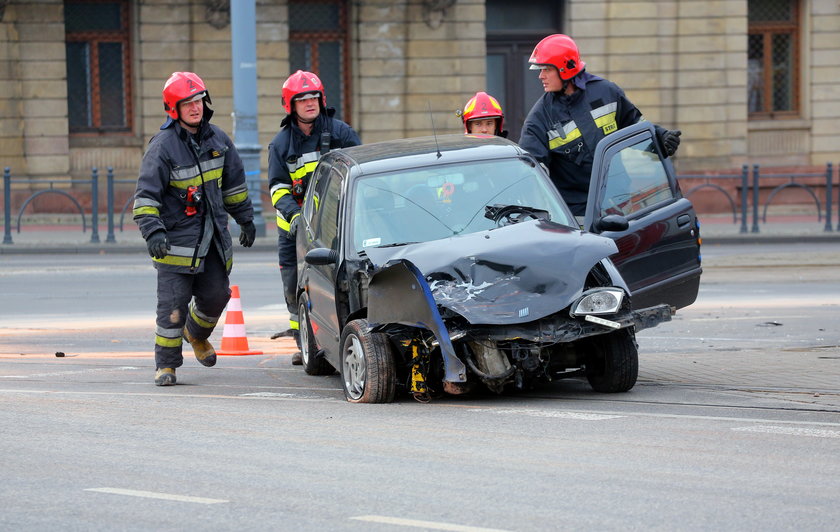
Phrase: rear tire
[312,363]
[368,371]
[613,364]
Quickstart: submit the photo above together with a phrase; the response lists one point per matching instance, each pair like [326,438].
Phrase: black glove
[293,227]
[671,141]
[158,244]
[247,234]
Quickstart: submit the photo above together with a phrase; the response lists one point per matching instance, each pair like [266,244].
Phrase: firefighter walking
[306,133]
[191,179]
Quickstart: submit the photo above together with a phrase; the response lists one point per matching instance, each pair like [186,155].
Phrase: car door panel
[320,225]
[658,254]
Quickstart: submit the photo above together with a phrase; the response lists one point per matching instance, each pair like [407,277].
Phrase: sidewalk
[714,229]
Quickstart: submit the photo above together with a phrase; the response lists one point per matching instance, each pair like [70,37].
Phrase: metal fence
[748,200]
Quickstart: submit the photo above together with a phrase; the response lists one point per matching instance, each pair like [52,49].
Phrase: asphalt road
[734,424]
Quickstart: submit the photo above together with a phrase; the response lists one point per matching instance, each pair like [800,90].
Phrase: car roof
[426,151]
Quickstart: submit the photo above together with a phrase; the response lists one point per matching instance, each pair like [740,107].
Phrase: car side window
[327,225]
[636,180]
[319,178]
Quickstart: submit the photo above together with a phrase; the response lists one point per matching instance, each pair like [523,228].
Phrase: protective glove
[247,234]
[293,227]
[671,141]
[158,244]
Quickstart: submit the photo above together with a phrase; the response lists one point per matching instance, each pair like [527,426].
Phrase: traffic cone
[234,341]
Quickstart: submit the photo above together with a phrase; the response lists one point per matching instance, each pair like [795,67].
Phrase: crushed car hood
[512,274]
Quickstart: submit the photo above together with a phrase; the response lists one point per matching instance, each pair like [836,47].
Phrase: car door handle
[683,220]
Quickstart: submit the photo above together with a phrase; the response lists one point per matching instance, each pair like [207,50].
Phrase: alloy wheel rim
[354,368]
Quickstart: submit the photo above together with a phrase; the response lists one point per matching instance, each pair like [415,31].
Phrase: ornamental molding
[217,13]
[434,11]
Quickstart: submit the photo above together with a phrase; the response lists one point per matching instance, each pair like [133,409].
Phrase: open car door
[659,250]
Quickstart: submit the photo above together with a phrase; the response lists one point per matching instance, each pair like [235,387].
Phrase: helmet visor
[198,96]
[538,66]
[306,96]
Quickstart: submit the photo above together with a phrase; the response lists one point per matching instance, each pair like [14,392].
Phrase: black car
[433,265]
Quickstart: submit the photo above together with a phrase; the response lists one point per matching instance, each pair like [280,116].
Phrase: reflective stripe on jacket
[173,162]
[293,156]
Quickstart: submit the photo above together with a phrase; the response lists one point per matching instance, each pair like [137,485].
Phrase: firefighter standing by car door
[306,133]
[190,179]
[482,115]
[577,110]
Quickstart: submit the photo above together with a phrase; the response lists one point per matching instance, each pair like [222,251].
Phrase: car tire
[613,364]
[368,371]
[312,363]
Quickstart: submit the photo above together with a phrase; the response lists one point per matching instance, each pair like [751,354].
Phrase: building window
[773,59]
[318,42]
[98,65]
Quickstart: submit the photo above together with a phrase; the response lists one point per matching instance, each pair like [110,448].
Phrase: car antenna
[432,118]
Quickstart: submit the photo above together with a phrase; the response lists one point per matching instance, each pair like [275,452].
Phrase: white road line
[429,525]
[267,394]
[63,373]
[790,431]
[584,416]
[156,495]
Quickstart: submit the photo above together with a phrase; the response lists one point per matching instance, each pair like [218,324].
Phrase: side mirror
[612,222]
[321,257]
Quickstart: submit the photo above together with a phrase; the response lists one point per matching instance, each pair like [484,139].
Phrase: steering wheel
[513,214]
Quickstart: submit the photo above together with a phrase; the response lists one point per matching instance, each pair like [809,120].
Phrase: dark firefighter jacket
[174,162]
[562,131]
[292,157]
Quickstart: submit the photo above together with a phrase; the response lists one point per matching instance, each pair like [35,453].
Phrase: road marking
[584,416]
[431,525]
[267,394]
[63,373]
[790,431]
[156,495]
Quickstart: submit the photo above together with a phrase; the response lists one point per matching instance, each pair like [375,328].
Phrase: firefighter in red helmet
[482,115]
[577,110]
[308,131]
[191,179]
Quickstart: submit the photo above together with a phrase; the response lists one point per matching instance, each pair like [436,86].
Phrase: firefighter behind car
[191,179]
[577,110]
[482,115]
[306,133]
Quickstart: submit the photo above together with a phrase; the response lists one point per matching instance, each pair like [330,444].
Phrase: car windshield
[420,205]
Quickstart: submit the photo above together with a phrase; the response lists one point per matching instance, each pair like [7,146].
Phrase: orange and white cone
[234,341]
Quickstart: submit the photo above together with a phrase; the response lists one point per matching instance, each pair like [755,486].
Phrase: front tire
[368,371]
[312,363]
[613,364]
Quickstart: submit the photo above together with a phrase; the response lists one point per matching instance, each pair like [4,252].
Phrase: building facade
[747,81]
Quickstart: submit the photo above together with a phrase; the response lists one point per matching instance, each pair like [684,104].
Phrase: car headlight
[598,301]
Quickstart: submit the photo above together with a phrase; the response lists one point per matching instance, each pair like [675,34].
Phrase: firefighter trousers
[288,274]
[195,301]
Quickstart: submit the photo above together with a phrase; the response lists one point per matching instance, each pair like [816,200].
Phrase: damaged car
[436,265]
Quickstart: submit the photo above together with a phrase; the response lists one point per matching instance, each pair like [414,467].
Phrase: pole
[755,199]
[7,205]
[94,206]
[110,237]
[243,34]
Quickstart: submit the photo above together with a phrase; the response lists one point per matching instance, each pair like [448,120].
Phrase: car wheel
[368,371]
[613,364]
[312,364]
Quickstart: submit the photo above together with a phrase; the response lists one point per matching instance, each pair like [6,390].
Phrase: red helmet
[482,105]
[559,51]
[179,87]
[301,82]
